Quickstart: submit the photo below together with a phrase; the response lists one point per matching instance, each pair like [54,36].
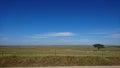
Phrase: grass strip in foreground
[17,61]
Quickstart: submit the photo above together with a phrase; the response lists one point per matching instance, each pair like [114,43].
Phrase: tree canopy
[98,46]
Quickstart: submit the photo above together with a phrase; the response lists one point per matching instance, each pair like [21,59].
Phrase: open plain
[34,56]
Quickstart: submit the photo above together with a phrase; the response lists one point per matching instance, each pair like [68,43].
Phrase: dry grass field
[58,56]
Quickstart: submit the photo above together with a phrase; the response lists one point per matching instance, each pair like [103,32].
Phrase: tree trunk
[98,48]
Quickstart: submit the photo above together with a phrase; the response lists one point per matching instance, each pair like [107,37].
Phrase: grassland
[58,56]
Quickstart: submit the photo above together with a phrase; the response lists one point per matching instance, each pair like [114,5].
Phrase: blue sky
[59,22]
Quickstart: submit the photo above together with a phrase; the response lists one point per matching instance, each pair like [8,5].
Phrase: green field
[58,55]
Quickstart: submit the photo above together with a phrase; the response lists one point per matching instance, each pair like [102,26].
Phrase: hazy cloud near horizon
[63,38]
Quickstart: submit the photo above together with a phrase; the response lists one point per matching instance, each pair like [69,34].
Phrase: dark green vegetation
[98,46]
[59,56]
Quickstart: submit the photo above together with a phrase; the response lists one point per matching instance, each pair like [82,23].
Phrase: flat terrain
[70,67]
[59,51]
[35,56]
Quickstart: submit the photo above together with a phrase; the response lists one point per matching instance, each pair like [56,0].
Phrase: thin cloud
[55,34]
[113,36]
[60,42]
[3,38]
[98,33]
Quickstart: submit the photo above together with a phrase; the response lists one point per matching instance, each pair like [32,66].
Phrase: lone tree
[98,46]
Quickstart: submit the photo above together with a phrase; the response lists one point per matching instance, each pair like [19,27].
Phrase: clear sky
[59,22]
